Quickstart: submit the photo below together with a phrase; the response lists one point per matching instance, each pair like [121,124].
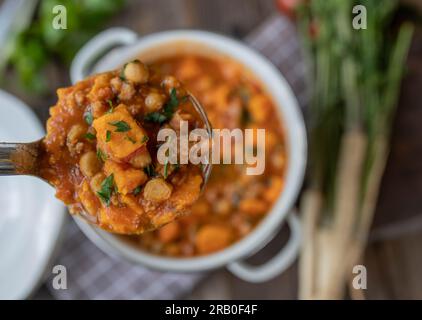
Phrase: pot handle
[278,263]
[97,46]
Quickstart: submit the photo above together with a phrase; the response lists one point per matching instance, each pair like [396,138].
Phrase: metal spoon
[24,158]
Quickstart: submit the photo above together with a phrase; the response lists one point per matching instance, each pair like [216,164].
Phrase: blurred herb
[356,76]
[39,44]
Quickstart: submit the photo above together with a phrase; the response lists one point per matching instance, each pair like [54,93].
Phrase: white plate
[31,218]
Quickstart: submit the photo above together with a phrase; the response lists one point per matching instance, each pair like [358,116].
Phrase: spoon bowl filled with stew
[100,151]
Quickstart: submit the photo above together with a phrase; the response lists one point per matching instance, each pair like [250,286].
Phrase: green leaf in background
[356,76]
[41,43]
[29,57]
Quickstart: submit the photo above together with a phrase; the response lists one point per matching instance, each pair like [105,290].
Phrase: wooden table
[394,257]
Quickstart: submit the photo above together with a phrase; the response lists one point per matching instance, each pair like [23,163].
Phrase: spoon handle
[19,158]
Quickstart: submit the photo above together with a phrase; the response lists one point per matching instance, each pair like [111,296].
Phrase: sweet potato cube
[118,134]
[126,178]
[211,238]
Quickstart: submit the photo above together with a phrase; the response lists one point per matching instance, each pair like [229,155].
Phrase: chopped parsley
[88,117]
[130,139]
[177,166]
[155,117]
[121,126]
[150,170]
[144,139]
[110,103]
[122,72]
[108,136]
[137,190]
[106,189]
[90,136]
[173,103]
[101,155]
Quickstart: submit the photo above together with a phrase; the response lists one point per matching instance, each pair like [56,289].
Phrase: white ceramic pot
[122,45]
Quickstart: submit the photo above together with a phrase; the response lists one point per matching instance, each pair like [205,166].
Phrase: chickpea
[169,83]
[136,72]
[80,98]
[134,109]
[154,101]
[89,164]
[222,207]
[127,91]
[75,133]
[141,160]
[178,117]
[157,190]
[96,181]
[116,84]
[98,109]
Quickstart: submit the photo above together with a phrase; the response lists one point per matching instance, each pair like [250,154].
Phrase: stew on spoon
[101,149]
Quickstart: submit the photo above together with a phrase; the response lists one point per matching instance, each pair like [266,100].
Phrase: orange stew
[101,149]
[233,203]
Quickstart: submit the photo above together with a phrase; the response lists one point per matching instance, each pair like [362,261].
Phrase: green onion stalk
[356,76]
